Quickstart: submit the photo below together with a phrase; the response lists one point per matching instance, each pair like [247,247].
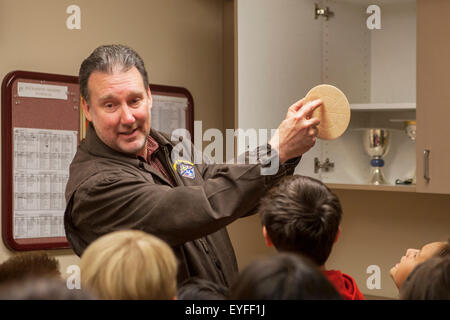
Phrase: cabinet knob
[318,12]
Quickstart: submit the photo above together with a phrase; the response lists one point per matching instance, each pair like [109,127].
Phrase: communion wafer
[334,113]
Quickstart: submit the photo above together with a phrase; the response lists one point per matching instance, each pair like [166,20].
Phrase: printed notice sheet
[41,170]
[37,90]
[168,113]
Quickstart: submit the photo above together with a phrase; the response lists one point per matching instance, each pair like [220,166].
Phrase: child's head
[301,215]
[37,264]
[201,289]
[430,280]
[414,257]
[284,276]
[129,265]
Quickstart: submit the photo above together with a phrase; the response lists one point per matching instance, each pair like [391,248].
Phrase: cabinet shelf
[383,106]
[368,187]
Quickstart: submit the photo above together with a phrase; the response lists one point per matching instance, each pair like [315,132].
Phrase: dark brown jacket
[109,191]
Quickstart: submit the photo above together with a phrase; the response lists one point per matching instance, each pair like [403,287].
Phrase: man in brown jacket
[125,175]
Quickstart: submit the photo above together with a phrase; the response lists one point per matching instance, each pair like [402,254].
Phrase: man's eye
[135,103]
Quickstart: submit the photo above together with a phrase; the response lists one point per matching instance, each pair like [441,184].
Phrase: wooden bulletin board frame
[9,84]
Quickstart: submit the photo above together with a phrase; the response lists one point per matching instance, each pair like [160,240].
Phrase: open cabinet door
[433,96]
[279,45]
[284,49]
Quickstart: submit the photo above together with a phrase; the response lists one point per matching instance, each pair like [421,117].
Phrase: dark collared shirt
[152,159]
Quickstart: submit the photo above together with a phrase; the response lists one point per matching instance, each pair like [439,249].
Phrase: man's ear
[86,110]
[337,235]
[269,242]
[150,99]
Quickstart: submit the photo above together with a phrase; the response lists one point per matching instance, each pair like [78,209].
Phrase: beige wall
[228,66]
[181,42]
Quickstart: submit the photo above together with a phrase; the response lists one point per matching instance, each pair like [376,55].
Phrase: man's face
[119,109]
[411,259]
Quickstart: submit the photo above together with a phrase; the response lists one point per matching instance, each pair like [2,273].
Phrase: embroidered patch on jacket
[185,168]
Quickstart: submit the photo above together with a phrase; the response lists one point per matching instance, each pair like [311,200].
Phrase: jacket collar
[161,138]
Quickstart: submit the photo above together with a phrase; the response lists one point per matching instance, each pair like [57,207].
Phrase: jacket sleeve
[111,201]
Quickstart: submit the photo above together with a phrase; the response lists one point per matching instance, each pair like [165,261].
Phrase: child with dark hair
[303,215]
[284,276]
[430,280]
[414,257]
[201,289]
[37,264]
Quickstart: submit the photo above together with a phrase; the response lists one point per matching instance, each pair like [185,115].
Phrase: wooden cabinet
[277,62]
[433,96]
[399,72]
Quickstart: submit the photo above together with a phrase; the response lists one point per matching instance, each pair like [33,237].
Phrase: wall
[181,42]
[228,65]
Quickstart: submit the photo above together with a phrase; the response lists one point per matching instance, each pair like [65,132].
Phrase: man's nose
[126,116]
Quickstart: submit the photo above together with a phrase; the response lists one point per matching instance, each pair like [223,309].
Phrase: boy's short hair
[21,265]
[283,276]
[302,215]
[129,265]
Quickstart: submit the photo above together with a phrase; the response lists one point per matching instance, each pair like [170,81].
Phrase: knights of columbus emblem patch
[185,169]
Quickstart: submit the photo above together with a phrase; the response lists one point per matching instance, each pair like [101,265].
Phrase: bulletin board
[42,124]
[40,133]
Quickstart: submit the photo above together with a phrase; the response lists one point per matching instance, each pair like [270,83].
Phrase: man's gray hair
[107,59]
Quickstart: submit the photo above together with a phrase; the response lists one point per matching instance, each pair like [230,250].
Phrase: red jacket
[344,284]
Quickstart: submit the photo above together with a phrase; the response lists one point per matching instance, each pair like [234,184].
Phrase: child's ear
[337,235]
[266,237]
